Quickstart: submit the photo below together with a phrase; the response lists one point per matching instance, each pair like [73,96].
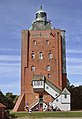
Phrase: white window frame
[38,83]
[40,55]
[48,67]
[47,42]
[34,41]
[33,56]
[49,75]
[32,68]
[50,55]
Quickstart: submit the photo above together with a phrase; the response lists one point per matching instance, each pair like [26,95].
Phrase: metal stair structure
[36,102]
[51,89]
[61,98]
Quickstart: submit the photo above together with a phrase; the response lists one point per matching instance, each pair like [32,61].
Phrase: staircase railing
[53,86]
[34,104]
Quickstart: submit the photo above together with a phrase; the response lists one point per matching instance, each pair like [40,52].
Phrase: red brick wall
[55,47]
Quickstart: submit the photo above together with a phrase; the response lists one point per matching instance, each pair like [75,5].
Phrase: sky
[17,15]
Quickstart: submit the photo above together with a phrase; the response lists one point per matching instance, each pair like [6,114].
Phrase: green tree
[76,97]
[11,99]
[3,99]
[8,99]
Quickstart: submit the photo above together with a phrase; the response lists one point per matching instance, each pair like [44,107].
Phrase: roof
[65,91]
[41,25]
[1,105]
[41,10]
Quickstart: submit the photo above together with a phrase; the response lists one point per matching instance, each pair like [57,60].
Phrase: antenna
[41,7]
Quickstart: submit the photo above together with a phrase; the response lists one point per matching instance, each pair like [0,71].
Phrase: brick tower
[43,65]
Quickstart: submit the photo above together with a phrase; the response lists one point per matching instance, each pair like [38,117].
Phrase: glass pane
[34,42]
[47,42]
[48,68]
[50,55]
[32,68]
[40,55]
[33,56]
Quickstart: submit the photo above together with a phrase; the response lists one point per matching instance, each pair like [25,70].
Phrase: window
[42,14]
[50,56]
[56,100]
[48,67]
[40,55]
[56,95]
[47,42]
[65,95]
[40,98]
[48,75]
[38,83]
[32,68]
[34,42]
[33,56]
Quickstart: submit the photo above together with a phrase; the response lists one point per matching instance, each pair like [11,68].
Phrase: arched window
[34,42]
[48,75]
[33,56]
[32,68]
[40,55]
[48,67]
[47,42]
[50,56]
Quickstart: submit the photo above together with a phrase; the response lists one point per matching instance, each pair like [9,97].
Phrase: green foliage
[76,97]
[9,99]
[3,99]
[13,115]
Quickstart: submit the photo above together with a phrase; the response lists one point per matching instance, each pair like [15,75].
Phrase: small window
[34,42]
[38,83]
[48,67]
[48,75]
[32,68]
[33,56]
[40,55]
[47,42]
[65,95]
[50,56]
[56,100]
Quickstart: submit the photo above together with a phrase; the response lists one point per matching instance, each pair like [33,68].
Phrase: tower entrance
[40,102]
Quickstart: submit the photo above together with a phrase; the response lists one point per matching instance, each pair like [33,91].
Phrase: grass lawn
[47,114]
